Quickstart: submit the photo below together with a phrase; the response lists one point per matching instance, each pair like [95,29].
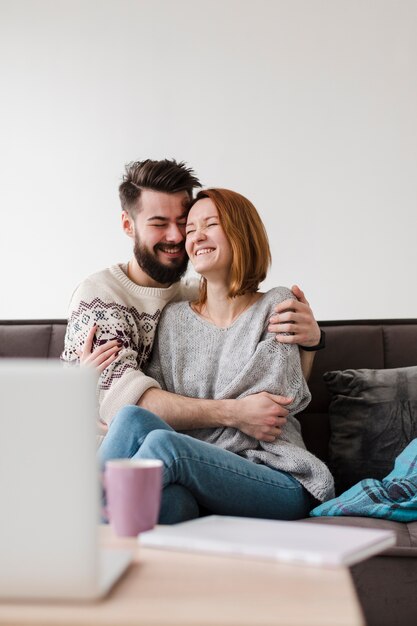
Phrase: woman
[219,347]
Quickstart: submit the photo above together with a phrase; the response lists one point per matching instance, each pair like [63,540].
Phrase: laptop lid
[292,542]
[49,488]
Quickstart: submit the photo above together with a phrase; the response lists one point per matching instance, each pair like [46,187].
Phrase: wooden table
[182,589]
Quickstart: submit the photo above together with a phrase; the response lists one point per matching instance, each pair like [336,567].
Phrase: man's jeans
[201,475]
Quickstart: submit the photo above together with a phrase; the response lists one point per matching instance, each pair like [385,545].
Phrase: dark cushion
[373,416]
[349,346]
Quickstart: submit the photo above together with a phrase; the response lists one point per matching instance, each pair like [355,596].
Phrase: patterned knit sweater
[195,358]
[126,311]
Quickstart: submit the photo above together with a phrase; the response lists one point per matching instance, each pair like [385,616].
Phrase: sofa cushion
[373,416]
[406,534]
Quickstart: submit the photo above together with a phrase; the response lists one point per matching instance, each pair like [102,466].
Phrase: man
[122,305]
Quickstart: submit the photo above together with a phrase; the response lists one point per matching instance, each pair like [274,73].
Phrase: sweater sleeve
[123,382]
[274,367]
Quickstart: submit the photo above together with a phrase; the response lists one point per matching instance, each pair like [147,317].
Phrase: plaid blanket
[394,497]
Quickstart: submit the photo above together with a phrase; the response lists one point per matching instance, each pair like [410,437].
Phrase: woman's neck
[221,310]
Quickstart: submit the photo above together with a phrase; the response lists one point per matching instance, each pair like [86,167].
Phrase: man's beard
[158,271]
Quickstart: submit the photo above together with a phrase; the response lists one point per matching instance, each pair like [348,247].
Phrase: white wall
[308,107]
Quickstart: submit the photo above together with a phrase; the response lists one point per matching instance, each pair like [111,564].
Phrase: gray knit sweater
[195,358]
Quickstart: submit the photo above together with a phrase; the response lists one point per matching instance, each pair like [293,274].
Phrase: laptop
[49,485]
[291,542]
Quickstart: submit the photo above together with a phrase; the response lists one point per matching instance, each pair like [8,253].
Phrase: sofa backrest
[376,344]
[37,338]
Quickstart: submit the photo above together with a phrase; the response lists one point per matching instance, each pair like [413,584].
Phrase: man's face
[159,235]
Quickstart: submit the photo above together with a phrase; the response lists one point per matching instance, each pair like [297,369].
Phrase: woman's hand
[102,356]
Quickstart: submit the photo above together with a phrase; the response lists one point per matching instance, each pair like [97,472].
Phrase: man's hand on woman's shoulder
[295,316]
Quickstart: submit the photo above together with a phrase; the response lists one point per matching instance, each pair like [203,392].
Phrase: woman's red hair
[243,227]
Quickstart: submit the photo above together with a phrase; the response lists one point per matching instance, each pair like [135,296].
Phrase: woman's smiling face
[206,243]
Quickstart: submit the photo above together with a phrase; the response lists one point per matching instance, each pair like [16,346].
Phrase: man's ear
[128,224]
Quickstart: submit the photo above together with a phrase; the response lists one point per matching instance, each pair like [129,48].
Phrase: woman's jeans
[199,475]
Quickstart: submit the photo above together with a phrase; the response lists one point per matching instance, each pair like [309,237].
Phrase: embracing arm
[296,317]
[307,360]
[260,415]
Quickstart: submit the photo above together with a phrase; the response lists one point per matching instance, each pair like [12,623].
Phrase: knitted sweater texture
[126,311]
[195,358]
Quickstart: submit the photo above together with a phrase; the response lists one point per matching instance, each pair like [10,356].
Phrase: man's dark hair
[167,176]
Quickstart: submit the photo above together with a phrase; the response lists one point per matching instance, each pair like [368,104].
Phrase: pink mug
[133,491]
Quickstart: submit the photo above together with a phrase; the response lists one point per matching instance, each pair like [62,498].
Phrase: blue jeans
[201,475]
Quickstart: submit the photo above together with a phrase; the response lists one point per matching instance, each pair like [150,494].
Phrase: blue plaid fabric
[394,497]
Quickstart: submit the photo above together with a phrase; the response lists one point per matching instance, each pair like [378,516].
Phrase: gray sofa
[387,584]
